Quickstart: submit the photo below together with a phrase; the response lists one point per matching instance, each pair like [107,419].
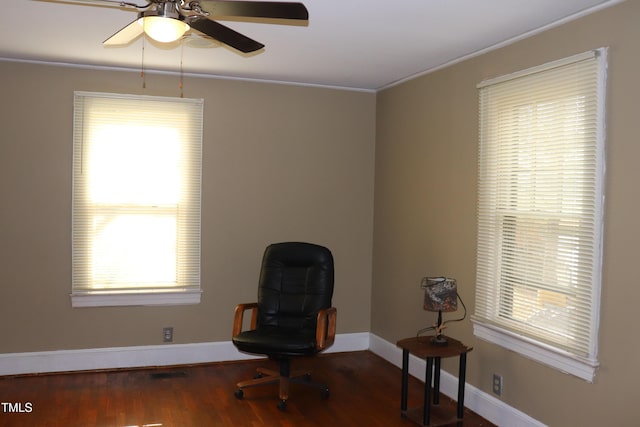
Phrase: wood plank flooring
[365,391]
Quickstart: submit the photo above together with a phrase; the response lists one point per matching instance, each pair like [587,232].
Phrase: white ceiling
[359,44]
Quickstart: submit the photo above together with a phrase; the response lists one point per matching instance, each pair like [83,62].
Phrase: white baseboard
[482,403]
[116,357]
[475,399]
[152,355]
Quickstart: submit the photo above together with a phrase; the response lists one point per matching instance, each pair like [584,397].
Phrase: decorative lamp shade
[440,294]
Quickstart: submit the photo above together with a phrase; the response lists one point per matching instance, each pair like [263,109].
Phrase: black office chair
[293,316]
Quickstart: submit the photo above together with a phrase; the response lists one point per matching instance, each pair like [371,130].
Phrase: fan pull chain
[181,83]
[142,74]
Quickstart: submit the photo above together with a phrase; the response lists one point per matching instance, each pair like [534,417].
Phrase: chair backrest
[296,281]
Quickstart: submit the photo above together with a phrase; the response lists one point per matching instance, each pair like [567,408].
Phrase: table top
[423,348]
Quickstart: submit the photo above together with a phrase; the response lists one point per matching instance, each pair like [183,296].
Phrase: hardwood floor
[365,391]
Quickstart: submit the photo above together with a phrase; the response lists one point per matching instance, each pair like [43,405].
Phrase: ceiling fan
[168,20]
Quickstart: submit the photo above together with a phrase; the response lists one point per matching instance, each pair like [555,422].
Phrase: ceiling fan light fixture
[163,29]
[163,22]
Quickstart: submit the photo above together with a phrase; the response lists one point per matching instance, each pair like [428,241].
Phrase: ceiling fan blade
[125,35]
[255,9]
[225,35]
[101,3]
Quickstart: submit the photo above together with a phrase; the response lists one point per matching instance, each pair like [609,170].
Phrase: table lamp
[440,294]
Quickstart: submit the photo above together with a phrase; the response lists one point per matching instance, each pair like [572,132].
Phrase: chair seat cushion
[274,341]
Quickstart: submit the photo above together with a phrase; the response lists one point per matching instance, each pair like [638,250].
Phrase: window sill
[542,353]
[110,299]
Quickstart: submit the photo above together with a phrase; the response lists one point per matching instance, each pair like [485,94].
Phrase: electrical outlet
[167,334]
[497,384]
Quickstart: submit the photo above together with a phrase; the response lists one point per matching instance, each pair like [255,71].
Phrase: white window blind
[136,199]
[541,173]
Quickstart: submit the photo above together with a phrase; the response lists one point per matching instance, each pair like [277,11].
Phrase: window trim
[540,352]
[175,295]
[123,298]
[547,354]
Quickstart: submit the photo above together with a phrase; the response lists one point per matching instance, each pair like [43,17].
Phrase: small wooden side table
[424,349]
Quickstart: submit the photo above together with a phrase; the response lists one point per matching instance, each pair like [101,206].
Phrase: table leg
[436,381]
[462,372]
[427,391]
[405,380]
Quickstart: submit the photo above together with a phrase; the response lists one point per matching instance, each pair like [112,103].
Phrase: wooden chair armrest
[239,316]
[326,328]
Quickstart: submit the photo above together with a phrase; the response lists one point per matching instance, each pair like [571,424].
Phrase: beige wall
[281,162]
[297,163]
[425,197]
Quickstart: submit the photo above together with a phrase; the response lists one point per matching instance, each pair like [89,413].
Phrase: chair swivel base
[284,378]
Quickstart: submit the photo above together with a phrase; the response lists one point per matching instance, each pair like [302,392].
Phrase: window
[541,173]
[136,200]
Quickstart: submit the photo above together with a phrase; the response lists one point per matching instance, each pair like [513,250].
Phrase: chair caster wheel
[239,394]
[325,393]
[282,405]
